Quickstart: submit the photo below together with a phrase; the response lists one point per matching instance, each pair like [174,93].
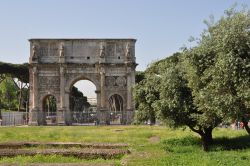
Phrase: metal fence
[84,118]
[14,119]
[78,118]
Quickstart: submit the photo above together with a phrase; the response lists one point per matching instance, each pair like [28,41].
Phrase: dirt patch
[118,130]
[154,139]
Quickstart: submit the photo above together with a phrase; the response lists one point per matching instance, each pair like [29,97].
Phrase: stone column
[132,86]
[130,101]
[34,114]
[129,92]
[98,105]
[104,114]
[102,73]
[61,110]
[67,113]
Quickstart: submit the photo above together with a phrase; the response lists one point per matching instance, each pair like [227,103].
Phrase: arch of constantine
[56,64]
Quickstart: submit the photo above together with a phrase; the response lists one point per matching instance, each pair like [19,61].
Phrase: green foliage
[139,76]
[20,71]
[218,68]
[8,94]
[175,104]
[49,104]
[181,145]
[205,85]
[77,100]
[165,92]
[146,93]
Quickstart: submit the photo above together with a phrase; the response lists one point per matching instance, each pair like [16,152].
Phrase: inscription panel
[49,49]
[49,83]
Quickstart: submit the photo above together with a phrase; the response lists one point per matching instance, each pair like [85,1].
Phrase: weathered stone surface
[56,64]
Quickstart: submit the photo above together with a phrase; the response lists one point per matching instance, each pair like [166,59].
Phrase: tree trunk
[20,97]
[206,136]
[207,139]
[245,122]
[152,119]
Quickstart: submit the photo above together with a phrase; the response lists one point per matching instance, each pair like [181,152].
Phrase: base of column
[103,117]
[41,118]
[60,119]
[33,124]
[129,116]
[67,117]
[33,117]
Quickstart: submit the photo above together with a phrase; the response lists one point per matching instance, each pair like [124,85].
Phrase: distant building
[92,101]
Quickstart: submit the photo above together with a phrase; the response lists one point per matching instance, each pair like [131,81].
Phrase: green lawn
[176,147]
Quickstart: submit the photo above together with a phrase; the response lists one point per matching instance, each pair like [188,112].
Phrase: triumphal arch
[56,64]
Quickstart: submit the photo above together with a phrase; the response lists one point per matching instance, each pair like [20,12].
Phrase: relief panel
[119,81]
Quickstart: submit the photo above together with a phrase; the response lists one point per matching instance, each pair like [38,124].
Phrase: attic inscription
[49,50]
[49,80]
[111,49]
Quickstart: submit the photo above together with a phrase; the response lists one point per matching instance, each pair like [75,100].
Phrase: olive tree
[218,68]
[176,104]
[146,92]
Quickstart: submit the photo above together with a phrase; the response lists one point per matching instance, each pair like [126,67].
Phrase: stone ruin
[57,64]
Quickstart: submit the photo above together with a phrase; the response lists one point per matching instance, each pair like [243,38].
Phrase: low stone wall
[79,150]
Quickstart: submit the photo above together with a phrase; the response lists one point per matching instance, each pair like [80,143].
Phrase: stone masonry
[56,64]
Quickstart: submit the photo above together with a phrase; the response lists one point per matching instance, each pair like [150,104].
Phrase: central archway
[83,102]
[116,108]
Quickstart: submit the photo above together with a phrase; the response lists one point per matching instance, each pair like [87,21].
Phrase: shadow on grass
[190,144]
[237,143]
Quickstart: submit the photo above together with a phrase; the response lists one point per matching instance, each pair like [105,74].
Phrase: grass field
[149,145]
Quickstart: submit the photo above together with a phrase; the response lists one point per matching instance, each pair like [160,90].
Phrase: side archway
[116,109]
[49,110]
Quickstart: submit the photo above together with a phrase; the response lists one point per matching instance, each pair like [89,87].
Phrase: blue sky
[161,27]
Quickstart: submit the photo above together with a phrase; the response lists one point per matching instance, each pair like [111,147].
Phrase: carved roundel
[121,81]
[110,81]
